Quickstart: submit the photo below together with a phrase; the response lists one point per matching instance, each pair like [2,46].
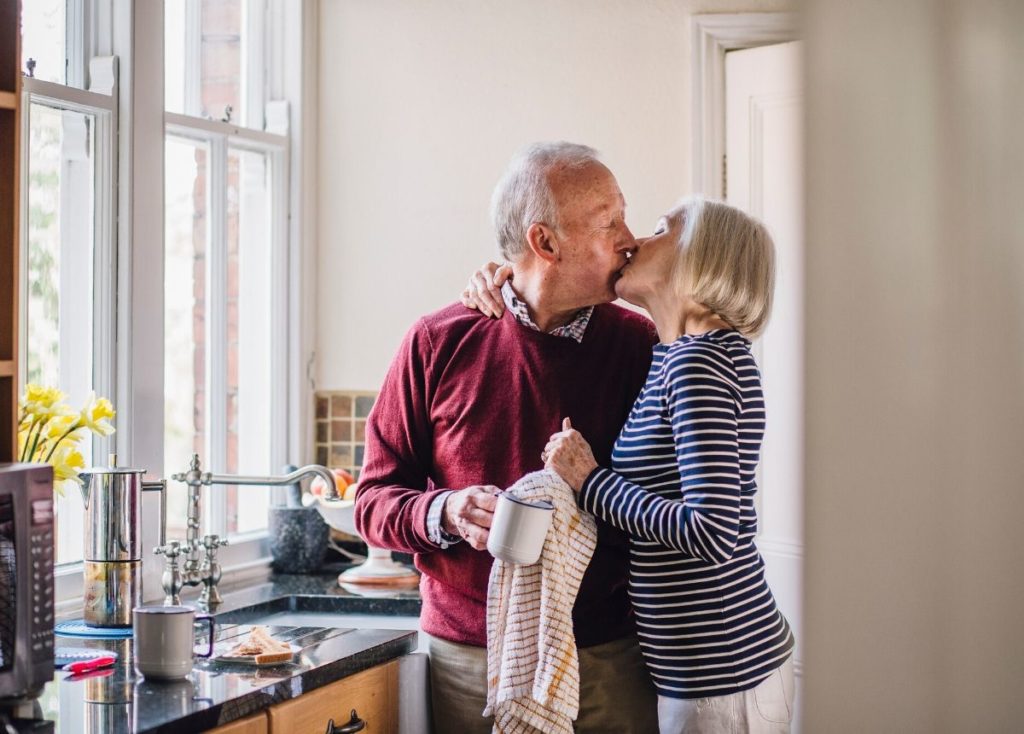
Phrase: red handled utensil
[84,666]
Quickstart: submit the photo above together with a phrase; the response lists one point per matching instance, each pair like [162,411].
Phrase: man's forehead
[594,190]
[614,200]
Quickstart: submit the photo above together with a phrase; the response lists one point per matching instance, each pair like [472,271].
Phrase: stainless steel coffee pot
[113,541]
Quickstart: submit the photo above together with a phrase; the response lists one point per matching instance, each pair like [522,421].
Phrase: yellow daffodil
[96,415]
[61,425]
[50,431]
[67,462]
[42,402]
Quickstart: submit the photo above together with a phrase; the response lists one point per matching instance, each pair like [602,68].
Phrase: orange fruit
[341,478]
[342,474]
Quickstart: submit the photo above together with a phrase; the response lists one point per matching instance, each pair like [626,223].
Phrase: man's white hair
[523,196]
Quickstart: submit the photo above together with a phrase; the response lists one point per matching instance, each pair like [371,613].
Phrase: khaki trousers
[616,693]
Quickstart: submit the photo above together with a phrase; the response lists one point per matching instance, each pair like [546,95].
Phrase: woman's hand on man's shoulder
[483,292]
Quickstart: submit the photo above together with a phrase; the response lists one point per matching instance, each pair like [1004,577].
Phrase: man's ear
[541,241]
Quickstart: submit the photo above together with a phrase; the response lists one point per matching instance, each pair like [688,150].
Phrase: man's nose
[627,242]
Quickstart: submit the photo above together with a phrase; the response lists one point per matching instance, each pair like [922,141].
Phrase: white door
[764,176]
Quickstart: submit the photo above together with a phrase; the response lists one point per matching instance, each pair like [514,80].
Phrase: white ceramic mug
[165,639]
[518,529]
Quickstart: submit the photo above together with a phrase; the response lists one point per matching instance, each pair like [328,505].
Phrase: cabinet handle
[354,724]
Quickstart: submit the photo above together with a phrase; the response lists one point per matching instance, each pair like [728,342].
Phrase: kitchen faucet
[202,567]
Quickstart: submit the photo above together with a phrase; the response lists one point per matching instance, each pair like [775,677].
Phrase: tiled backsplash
[340,432]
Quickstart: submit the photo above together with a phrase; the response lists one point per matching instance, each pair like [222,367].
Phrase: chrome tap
[210,572]
[201,565]
[171,580]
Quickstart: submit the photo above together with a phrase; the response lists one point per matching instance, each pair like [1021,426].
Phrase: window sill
[247,556]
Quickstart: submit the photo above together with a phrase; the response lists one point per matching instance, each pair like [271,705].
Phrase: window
[67,238]
[224,191]
[43,47]
[225,219]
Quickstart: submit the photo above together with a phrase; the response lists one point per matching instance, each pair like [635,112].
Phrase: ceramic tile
[341,455]
[341,406]
[341,431]
[363,405]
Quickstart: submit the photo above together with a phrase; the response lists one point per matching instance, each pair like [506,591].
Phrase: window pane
[249,318]
[42,39]
[175,56]
[204,55]
[59,262]
[186,238]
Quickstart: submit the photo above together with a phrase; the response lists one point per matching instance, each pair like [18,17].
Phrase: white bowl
[339,514]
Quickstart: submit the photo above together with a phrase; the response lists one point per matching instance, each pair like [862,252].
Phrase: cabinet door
[253,725]
[373,694]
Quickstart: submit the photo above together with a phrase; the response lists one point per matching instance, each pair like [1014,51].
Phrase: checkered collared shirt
[574,330]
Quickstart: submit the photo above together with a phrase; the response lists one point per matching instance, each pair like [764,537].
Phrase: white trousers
[764,709]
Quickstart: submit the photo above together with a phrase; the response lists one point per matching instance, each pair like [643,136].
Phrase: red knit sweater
[471,400]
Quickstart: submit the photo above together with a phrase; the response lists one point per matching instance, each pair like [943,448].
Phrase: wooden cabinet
[372,694]
[252,725]
[10,131]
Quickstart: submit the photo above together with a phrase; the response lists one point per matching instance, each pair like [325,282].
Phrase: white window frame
[290,37]
[263,38]
[131,370]
[102,106]
[220,138]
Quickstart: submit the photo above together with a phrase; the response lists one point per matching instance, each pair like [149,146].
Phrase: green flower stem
[30,443]
[57,442]
[35,444]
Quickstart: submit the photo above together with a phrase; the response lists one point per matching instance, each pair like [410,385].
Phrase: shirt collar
[574,330]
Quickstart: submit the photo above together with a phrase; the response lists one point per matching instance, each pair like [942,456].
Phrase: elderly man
[467,407]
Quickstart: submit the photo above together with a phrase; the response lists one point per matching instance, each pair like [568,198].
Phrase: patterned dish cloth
[533,682]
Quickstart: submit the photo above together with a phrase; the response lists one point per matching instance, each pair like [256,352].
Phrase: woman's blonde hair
[726,262]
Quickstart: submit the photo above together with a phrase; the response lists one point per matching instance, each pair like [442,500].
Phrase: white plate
[251,659]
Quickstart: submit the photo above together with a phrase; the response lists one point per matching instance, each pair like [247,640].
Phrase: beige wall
[914,617]
[421,106]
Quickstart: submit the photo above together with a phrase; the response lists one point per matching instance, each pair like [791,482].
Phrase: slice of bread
[273,657]
[263,647]
[260,636]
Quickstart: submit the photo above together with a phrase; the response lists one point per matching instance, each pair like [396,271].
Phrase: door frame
[712,36]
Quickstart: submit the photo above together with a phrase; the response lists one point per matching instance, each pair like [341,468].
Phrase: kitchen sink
[329,619]
[327,611]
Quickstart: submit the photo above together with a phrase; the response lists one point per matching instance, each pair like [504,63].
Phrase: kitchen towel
[533,680]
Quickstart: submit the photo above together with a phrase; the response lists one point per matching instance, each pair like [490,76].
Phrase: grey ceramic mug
[165,639]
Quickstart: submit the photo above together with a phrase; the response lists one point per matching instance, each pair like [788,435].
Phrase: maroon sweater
[471,400]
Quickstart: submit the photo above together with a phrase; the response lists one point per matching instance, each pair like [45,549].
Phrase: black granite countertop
[118,700]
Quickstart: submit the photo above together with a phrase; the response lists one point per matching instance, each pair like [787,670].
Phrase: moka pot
[113,542]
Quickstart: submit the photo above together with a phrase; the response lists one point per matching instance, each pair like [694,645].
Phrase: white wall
[914,616]
[423,103]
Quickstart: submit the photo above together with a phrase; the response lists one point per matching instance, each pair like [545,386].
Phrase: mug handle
[209,651]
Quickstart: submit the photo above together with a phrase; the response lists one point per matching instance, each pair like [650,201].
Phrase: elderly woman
[682,479]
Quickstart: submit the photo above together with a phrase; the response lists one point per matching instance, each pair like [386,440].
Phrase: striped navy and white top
[683,487]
